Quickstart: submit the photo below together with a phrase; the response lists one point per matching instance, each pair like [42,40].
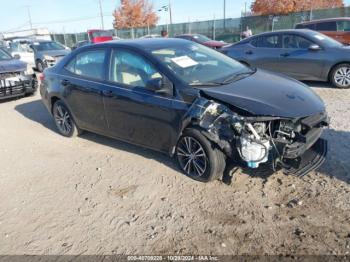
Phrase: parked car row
[198,105]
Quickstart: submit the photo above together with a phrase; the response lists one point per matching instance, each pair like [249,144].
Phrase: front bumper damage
[253,140]
[312,159]
[15,84]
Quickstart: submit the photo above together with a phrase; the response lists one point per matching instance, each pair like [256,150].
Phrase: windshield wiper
[207,84]
[235,77]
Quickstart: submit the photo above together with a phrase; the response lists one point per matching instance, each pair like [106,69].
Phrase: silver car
[301,54]
[40,54]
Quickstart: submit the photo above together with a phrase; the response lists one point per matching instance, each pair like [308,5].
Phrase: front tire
[340,76]
[64,120]
[40,65]
[198,158]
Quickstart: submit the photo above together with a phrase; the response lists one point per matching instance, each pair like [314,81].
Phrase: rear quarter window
[306,26]
[326,26]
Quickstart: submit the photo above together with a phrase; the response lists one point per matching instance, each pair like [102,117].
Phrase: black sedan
[188,101]
[301,54]
[16,77]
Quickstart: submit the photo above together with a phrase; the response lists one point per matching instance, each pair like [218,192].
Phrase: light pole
[224,14]
[167,8]
[29,17]
[101,14]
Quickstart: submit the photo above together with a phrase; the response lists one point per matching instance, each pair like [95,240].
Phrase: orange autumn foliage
[283,7]
[134,13]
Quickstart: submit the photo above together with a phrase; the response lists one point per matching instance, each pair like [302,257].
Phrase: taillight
[41,77]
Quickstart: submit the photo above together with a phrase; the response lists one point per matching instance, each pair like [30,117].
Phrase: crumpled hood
[269,94]
[55,52]
[13,65]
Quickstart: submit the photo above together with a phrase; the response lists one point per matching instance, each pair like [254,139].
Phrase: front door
[298,61]
[135,113]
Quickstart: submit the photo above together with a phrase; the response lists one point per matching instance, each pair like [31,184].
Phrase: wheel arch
[53,100]
[334,66]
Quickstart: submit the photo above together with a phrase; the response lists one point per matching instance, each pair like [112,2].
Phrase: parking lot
[95,195]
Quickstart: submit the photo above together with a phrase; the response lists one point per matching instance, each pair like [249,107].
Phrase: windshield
[101,34]
[47,46]
[327,41]
[199,65]
[4,55]
[201,38]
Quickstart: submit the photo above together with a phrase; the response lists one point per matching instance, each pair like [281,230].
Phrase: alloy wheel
[192,157]
[63,120]
[342,76]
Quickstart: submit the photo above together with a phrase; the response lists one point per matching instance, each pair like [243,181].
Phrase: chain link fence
[228,30]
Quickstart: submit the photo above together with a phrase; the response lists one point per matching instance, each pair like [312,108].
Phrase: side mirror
[17,56]
[314,47]
[159,86]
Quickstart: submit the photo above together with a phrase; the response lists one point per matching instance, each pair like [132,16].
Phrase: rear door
[264,52]
[83,84]
[298,61]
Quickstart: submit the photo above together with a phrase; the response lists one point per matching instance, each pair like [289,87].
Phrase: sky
[73,16]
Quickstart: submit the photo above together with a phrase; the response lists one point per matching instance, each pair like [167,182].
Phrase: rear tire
[198,158]
[64,120]
[340,76]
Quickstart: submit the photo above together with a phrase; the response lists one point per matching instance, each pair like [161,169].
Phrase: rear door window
[88,64]
[326,26]
[269,41]
[306,26]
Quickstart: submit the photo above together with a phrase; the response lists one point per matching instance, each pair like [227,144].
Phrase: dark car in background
[302,54]
[202,39]
[337,28]
[16,78]
[47,53]
[190,102]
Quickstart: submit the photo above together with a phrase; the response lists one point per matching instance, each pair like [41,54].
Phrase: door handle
[65,82]
[107,93]
[249,52]
[285,55]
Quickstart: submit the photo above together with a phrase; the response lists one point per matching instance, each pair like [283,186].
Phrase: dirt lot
[94,195]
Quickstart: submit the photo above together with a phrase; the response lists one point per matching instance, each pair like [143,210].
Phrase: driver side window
[131,69]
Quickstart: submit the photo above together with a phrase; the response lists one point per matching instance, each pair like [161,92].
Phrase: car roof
[142,43]
[302,31]
[325,20]
[188,34]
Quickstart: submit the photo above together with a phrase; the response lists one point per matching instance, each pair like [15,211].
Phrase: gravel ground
[94,195]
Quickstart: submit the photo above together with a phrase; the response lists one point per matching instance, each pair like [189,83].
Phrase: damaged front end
[293,145]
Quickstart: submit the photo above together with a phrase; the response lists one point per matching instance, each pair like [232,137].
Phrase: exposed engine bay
[292,144]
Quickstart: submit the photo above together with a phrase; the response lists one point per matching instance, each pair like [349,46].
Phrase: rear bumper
[312,159]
